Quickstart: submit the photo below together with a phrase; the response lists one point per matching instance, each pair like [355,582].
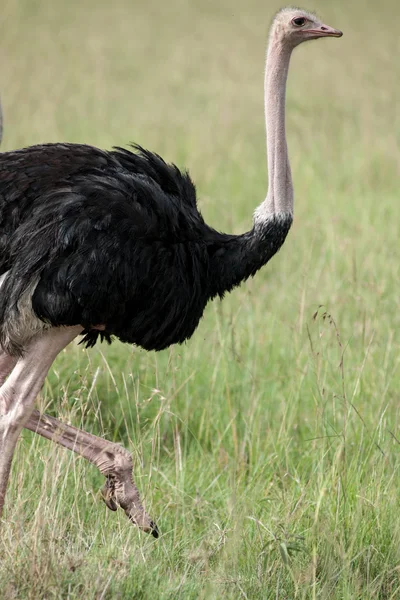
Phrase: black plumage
[115,239]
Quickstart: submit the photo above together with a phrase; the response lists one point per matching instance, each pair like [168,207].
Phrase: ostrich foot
[112,460]
[117,492]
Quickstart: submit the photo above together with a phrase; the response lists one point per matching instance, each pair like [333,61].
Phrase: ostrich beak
[325,31]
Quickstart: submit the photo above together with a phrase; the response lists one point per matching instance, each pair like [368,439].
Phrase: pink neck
[280,190]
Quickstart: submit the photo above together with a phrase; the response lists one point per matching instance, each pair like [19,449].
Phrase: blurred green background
[267,447]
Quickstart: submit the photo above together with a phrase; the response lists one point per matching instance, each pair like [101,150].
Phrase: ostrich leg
[18,392]
[7,363]
[111,459]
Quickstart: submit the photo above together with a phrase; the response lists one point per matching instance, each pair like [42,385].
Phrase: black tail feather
[91,336]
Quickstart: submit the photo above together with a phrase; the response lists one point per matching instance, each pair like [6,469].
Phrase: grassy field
[268,447]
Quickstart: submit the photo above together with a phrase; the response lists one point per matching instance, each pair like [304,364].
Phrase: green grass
[267,447]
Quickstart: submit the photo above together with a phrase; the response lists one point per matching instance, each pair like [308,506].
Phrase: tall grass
[267,447]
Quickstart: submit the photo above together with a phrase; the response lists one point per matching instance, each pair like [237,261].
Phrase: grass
[267,447]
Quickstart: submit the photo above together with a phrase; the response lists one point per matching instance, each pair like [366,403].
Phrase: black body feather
[116,239]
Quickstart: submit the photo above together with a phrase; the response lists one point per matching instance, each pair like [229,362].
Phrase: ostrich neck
[280,189]
[235,258]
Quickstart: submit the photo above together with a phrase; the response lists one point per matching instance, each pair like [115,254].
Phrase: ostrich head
[294,25]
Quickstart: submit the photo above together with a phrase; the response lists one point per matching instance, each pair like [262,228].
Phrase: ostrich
[105,244]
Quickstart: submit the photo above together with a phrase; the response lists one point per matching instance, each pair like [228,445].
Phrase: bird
[111,244]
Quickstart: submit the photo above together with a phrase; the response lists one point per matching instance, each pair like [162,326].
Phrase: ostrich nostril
[324,28]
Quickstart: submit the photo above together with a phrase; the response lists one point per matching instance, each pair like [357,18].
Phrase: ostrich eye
[299,21]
